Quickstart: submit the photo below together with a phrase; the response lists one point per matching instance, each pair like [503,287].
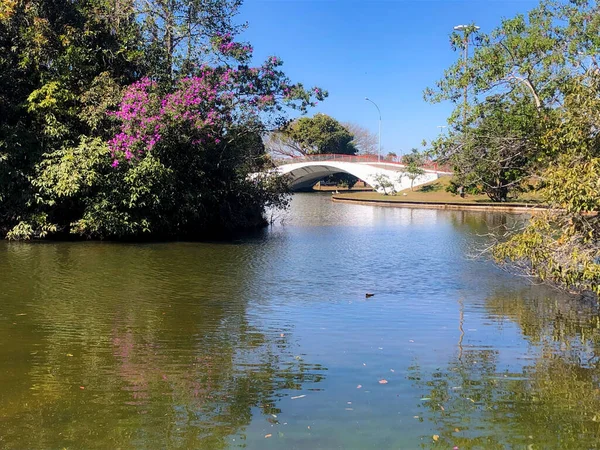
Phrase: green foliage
[534,110]
[561,246]
[317,135]
[36,226]
[183,35]
[413,162]
[516,76]
[383,183]
[64,66]
[499,153]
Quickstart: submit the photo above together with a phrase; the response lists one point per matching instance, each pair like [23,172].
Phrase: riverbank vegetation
[128,120]
[438,191]
[528,107]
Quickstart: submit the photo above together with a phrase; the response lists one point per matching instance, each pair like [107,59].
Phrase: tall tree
[61,62]
[181,34]
[516,79]
[312,135]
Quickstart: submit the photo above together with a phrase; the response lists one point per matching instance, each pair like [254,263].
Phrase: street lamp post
[379,146]
[466,29]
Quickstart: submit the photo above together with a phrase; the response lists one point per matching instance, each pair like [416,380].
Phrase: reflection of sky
[328,255]
[308,212]
[193,334]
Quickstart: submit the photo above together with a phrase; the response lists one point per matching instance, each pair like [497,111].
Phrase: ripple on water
[193,345]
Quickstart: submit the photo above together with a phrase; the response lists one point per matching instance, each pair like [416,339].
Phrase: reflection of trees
[481,222]
[158,337]
[563,319]
[551,402]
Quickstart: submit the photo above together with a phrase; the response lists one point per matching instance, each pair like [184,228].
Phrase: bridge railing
[367,159]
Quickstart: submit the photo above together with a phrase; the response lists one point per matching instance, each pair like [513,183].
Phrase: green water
[269,341]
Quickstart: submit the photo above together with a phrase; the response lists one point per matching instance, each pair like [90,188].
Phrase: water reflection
[269,341]
[543,396]
[129,345]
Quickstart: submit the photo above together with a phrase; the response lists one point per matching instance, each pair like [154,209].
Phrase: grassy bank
[435,193]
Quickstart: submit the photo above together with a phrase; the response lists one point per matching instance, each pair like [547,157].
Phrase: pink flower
[115,163]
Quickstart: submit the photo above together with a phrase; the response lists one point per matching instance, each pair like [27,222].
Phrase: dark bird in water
[367,295]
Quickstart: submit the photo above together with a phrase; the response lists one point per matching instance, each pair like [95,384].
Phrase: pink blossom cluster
[202,107]
[225,45]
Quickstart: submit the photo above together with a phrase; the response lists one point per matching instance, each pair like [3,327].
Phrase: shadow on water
[124,345]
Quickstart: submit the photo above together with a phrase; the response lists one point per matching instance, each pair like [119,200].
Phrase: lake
[269,341]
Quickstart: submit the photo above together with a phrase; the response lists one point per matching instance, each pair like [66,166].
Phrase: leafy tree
[499,153]
[62,63]
[516,78]
[312,136]
[181,35]
[413,162]
[182,148]
[383,183]
[561,246]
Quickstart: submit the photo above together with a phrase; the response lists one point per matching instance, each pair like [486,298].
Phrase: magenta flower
[204,106]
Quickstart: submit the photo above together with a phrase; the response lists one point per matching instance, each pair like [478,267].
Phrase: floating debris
[298,396]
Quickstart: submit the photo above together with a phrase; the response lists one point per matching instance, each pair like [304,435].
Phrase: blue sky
[389,51]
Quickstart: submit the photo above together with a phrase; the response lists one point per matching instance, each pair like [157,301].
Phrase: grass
[435,192]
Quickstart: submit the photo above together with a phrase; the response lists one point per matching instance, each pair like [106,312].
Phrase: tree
[413,162]
[534,113]
[315,135]
[181,35]
[364,140]
[517,78]
[383,183]
[184,140]
[561,245]
[61,65]
[499,153]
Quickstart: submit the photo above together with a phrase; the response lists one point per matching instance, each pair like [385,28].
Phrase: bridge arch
[304,175]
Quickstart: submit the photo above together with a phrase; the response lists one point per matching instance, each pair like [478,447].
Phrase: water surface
[269,341]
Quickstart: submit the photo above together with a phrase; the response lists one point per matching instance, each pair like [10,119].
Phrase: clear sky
[389,51]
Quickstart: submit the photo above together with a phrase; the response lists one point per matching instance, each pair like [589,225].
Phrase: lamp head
[465,27]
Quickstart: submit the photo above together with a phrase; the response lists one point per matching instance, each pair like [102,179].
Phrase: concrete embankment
[515,208]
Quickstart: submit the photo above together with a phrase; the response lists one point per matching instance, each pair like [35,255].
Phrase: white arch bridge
[305,172]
